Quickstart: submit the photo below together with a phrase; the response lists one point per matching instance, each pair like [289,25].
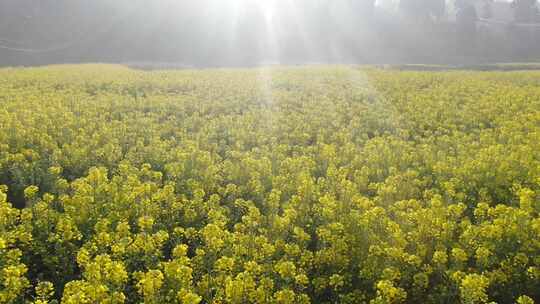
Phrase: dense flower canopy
[274,185]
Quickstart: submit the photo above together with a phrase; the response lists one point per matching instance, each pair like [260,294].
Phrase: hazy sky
[208,31]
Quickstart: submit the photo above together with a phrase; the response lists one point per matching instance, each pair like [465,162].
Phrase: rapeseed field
[322,184]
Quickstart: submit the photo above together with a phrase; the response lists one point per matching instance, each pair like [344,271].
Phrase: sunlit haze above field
[255,32]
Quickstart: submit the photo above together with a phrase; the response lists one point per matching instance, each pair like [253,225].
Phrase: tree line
[210,32]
